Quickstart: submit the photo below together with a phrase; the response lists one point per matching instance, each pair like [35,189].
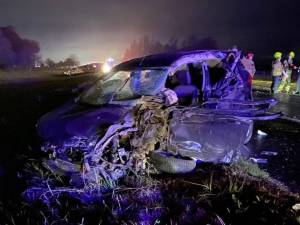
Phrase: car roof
[168,59]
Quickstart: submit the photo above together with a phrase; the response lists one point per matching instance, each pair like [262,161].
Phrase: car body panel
[73,119]
[78,119]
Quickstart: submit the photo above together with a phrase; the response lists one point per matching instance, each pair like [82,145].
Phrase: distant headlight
[106,68]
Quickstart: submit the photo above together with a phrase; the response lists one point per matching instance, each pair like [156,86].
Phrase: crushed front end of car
[158,134]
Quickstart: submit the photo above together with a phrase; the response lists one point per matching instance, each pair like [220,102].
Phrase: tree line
[16,52]
[19,53]
[71,61]
[148,46]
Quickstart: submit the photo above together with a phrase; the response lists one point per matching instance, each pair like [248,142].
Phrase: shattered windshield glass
[124,85]
[148,82]
[103,90]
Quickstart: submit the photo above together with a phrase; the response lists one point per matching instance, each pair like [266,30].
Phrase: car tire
[167,163]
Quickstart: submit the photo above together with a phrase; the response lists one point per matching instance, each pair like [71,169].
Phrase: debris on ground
[269,153]
[156,136]
[259,132]
[118,175]
[259,160]
[213,194]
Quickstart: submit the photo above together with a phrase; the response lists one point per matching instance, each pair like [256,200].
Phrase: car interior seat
[187,93]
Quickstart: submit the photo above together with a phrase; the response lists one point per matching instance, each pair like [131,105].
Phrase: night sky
[97,29]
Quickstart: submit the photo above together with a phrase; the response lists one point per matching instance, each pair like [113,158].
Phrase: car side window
[141,82]
[148,82]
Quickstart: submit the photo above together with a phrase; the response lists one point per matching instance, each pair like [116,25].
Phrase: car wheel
[167,163]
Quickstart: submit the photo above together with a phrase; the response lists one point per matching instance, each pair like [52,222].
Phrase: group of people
[282,74]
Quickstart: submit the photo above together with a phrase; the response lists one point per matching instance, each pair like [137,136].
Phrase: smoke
[16,52]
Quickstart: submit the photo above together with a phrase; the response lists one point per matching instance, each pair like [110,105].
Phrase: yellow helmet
[277,55]
[292,54]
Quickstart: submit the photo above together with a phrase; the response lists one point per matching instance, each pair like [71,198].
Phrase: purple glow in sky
[97,29]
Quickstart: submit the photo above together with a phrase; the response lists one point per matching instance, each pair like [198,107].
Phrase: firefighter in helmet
[277,71]
[288,69]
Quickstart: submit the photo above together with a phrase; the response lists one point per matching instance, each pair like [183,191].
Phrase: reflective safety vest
[277,68]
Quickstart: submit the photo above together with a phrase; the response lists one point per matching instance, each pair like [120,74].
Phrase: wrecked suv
[168,109]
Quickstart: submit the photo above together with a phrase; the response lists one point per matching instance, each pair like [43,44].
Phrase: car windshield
[124,85]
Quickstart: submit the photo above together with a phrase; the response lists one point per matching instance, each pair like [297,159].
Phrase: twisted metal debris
[156,134]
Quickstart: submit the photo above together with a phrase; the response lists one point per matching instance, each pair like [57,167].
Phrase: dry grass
[213,194]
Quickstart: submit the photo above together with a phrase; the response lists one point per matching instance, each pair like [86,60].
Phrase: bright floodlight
[106,68]
[108,65]
[110,60]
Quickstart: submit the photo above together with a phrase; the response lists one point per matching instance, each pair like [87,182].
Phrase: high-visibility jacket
[277,68]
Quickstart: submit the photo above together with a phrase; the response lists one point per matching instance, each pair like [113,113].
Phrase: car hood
[73,119]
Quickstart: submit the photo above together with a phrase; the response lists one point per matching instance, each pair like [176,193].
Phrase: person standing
[249,66]
[297,92]
[277,71]
[288,68]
